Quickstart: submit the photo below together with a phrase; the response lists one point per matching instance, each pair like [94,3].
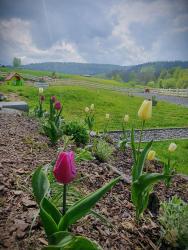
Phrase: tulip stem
[140,140]
[64,198]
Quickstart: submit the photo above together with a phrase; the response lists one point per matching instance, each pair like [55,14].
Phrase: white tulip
[86,109]
[172,147]
[41,90]
[107,116]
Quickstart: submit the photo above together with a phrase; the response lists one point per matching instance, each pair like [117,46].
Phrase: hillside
[74,68]
[156,74]
[109,69]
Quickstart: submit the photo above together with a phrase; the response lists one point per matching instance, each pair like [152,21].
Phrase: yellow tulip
[107,116]
[145,111]
[86,109]
[172,147]
[151,155]
[126,118]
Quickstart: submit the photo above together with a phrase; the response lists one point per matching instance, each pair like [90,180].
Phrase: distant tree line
[154,75]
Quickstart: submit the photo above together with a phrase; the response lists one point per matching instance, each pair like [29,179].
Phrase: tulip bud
[86,109]
[172,147]
[41,90]
[42,98]
[126,118]
[57,105]
[107,116]
[145,111]
[65,169]
[151,155]
[92,107]
[53,98]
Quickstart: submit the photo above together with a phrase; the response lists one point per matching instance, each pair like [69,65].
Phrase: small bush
[78,132]
[102,150]
[174,221]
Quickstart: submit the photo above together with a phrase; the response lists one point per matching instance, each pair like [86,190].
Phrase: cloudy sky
[121,32]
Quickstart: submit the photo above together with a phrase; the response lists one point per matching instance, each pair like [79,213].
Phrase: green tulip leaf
[40,184]
[70,242]
[141,189]
[133,145]
[51,210]
[48,222]
[82,207]
[138,168]
[60,238]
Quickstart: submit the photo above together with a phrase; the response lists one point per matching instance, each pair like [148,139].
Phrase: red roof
[11,75]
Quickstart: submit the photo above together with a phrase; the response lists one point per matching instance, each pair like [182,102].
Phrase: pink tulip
[42,98]
[57,105]
[53,98]
[65,169]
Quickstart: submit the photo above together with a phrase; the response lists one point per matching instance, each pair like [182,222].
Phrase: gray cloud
[102,31]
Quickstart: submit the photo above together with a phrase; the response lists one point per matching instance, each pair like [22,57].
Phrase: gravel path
[155,134]
[173,99]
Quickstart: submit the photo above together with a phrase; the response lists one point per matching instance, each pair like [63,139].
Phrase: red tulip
[65,169]
[57,105]
[53,98]
[42,98]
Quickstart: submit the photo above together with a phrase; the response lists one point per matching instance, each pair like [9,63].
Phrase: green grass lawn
[79,78]
[75,99]
[179,157]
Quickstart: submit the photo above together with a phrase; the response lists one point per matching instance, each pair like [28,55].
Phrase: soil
[23,148]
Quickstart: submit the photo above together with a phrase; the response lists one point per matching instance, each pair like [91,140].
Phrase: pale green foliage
[174,221]
[102,150]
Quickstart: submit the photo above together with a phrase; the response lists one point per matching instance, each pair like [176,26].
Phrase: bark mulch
[22,148]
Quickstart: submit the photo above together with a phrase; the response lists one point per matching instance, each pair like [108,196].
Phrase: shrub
[102,150]
[174,222]
[78,132]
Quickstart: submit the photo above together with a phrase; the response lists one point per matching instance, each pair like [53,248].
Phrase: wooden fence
[171,92]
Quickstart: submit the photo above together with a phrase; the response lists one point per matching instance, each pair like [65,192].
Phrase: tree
[16,62]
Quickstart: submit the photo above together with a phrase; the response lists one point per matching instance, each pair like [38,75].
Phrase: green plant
[142,183]
[38,111]
[55,224]
[83,154]
[168,170]
[52,131]
[122,144]
[102,150]
[52,124]
[174,222]
[90,117]
[78,132]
